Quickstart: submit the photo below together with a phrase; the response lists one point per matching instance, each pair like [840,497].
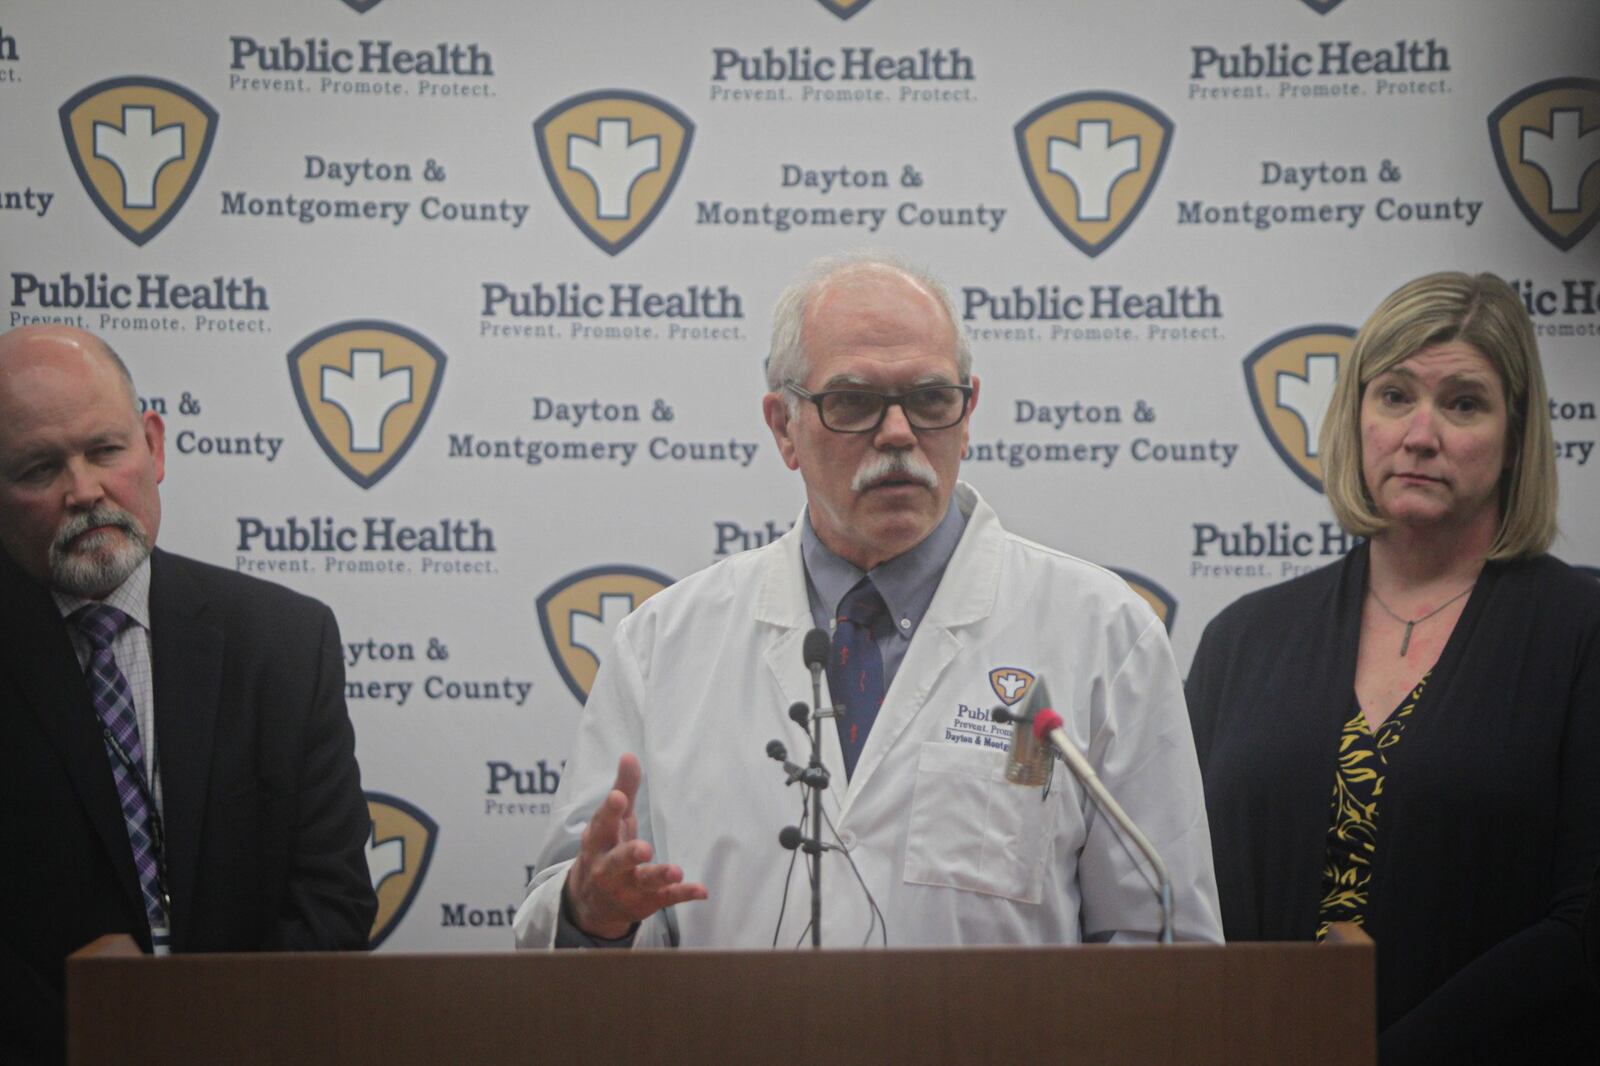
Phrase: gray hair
[786,361]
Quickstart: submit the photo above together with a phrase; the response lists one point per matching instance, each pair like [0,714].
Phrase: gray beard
[93,567]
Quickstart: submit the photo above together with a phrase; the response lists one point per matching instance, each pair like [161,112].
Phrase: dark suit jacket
[265,819]
[1488,831]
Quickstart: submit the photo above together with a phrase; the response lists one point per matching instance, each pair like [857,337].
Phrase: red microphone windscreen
[1044,721]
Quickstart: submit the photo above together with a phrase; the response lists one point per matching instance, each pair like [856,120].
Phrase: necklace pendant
[1405,641]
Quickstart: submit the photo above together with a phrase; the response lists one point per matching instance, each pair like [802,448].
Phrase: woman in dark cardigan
[1410,738]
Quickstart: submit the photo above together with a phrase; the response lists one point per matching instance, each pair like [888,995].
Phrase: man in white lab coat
[937,614]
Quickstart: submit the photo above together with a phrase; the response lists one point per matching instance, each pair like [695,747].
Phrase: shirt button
[847,838]
[905,623]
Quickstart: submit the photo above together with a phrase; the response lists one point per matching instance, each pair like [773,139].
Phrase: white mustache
[103,515]
[880,466]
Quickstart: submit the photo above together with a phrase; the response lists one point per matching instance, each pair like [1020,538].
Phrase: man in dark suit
[176,759]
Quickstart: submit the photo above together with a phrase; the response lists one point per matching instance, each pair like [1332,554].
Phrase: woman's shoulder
[1306,599]
[1553,585]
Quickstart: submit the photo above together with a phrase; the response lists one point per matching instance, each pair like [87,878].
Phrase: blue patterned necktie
[855,668]
[113,703]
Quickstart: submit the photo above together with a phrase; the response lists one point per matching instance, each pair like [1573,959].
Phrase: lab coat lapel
[782,604]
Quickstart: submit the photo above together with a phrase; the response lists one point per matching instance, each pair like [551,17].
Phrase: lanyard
[153,819]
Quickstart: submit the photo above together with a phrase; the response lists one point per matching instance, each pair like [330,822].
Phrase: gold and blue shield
[579,613]
[844,8]
[1092,160]
[399,847]
[138,145]
[1547,145]
[613,158]
[1290,378]
[1159,599]
[1010,683]
[365,389]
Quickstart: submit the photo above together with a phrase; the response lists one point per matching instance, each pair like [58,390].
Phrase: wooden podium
[1240,1004]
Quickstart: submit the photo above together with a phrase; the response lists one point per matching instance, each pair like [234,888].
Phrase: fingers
[629,773]
[613,822]
[620,889]
[645,888]
[613,883]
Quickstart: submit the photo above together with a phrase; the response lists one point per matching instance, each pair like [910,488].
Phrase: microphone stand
[815,650]
[819,778]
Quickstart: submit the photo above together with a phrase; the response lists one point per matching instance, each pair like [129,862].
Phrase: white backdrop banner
[456,312]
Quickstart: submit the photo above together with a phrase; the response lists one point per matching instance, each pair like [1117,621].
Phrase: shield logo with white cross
[844,8]
[1290,378]
[1092,159]
[1010,683]
[612,158]
[138,145]
[400,843]
[579,613]
[365,389]
[1159,599]
[1547,145]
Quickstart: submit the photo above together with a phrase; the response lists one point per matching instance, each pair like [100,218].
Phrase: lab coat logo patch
[612,158]
[579,613]
[1547,145]
[1092,160]
[1010,683]
[1290,378]
[1159,599]
[844,8]
[365,389]
[399,847]
[138,145]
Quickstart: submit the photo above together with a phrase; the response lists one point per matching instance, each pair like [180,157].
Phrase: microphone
[1028,761]
[791,837]
[800,714]
[1047,729]
[778,753]
[815,651]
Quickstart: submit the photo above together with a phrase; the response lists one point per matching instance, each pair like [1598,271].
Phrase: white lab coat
[701,677]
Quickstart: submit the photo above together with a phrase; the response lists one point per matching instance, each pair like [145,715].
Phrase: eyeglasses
[863,411]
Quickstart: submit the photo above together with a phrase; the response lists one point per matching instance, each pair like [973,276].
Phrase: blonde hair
[1482,312]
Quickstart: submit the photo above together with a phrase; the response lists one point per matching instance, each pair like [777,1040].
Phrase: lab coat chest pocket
[972,829]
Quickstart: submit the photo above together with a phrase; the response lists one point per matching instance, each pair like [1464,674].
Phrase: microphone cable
[877,915]
[794,856]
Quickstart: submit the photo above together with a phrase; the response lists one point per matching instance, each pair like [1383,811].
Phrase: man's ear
[775,409]
[972,405]
[155,438]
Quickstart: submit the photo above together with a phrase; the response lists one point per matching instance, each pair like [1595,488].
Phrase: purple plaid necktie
[855,668]
[113,703]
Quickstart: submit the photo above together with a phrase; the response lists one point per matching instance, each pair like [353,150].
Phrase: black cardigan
[1489,827]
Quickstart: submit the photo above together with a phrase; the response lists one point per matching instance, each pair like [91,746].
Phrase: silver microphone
[1028,761]
[1043,726]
